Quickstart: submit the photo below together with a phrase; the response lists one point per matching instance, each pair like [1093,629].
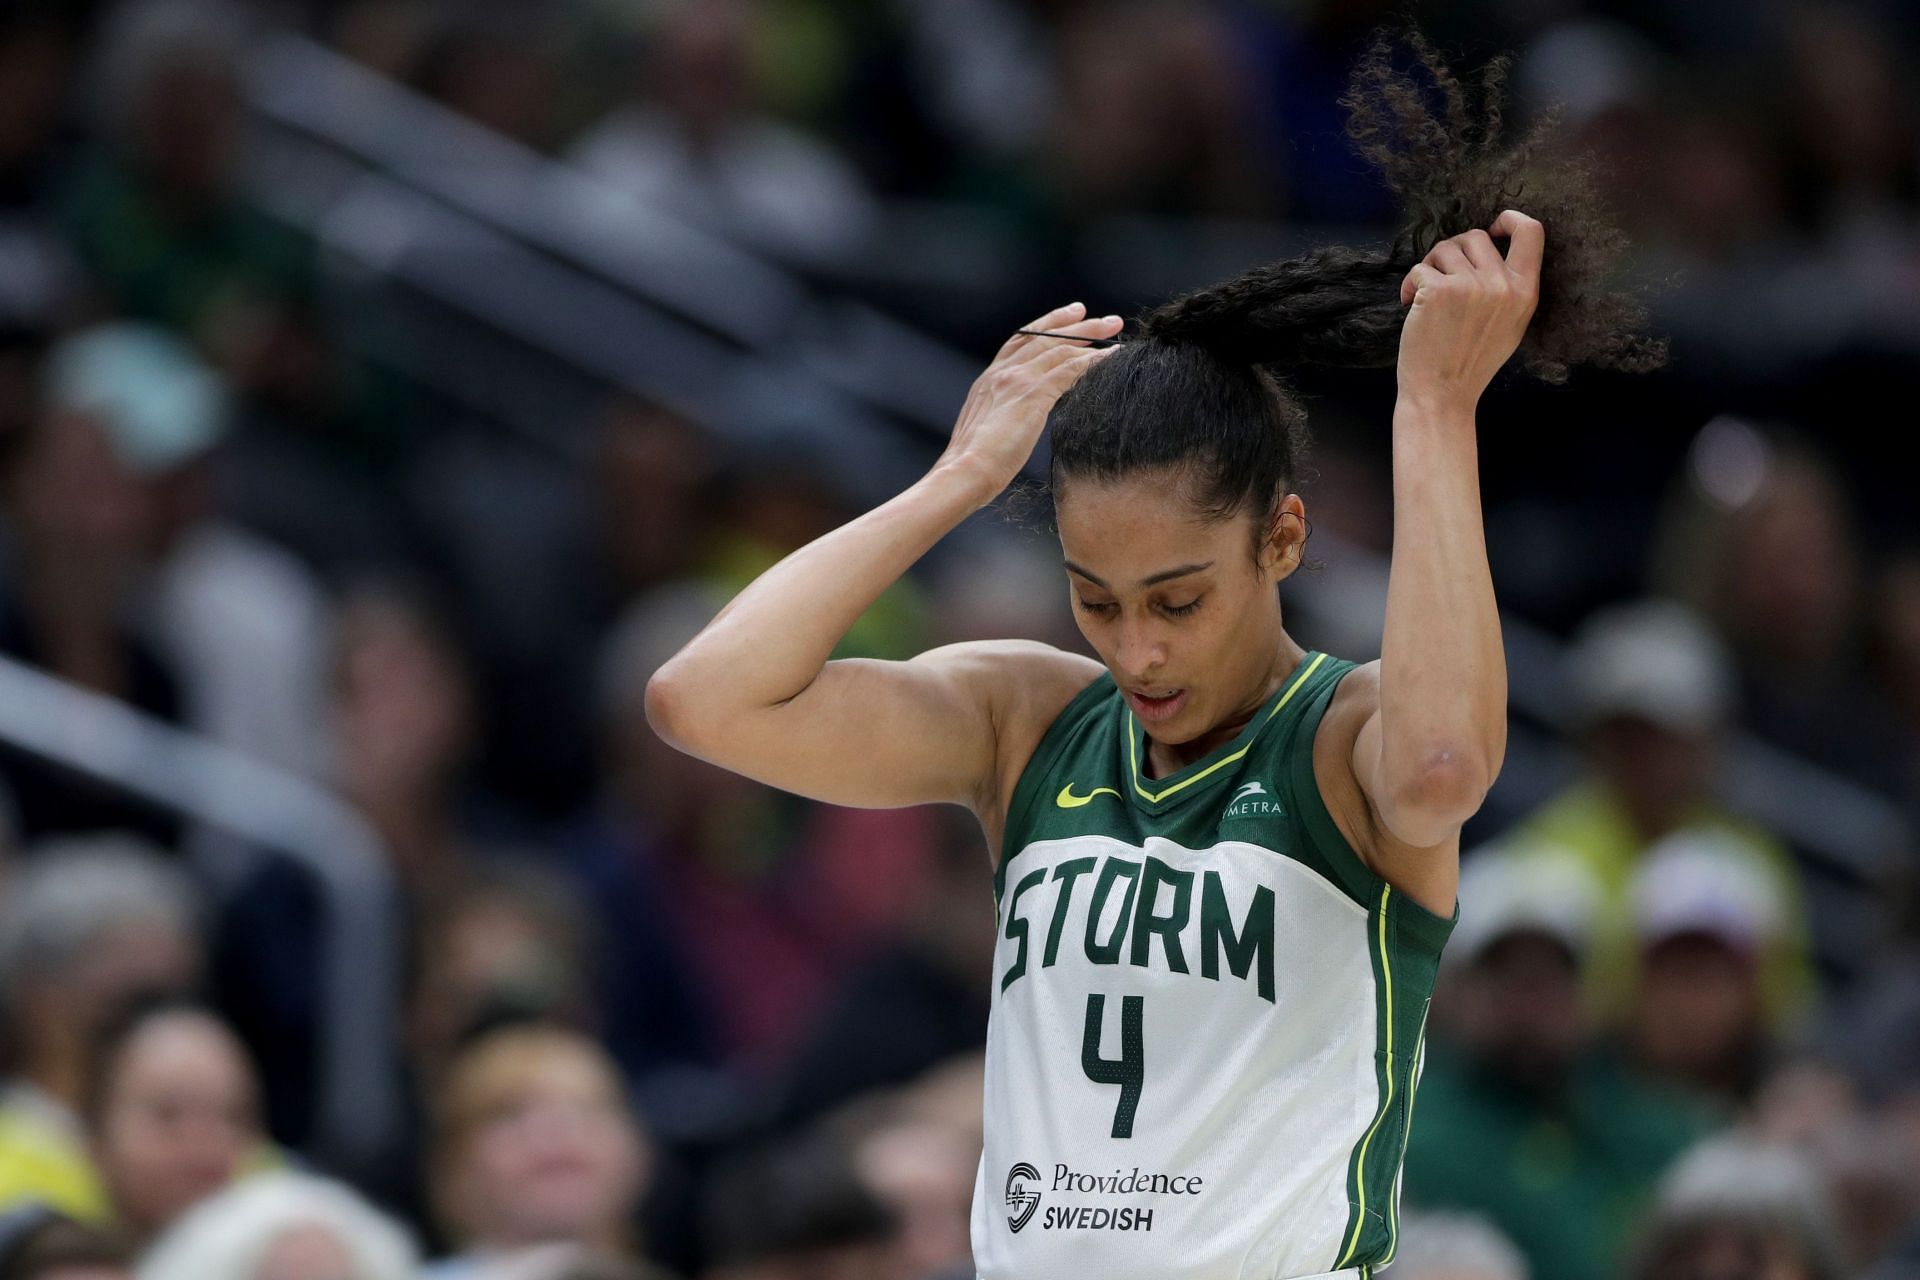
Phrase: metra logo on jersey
[1024,1197]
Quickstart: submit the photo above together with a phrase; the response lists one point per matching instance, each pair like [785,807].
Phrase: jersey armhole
[1053,743]
[1359,881]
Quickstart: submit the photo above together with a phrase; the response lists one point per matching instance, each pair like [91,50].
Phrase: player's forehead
[1126,530]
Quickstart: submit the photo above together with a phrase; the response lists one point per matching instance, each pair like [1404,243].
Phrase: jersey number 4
[1129,1070]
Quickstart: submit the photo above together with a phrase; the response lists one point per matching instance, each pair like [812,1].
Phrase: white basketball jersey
[1208,1013]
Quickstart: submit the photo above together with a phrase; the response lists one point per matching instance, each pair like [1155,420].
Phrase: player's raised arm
[1428,755]
[754,692]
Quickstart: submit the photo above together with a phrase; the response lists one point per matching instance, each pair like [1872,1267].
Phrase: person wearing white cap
[1652,691]
[241,622]
[1523,1117]
[1705,914]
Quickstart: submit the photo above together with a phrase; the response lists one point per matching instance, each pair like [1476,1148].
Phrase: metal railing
[357,1109]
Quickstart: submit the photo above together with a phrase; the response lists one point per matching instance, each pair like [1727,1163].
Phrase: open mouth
[1156,704]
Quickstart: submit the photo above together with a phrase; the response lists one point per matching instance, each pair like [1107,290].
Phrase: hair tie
[1092,342]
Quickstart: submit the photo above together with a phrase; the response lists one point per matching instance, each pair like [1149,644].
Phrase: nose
[1141,653]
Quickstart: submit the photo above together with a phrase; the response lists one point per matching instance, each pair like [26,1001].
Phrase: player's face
[1172,601]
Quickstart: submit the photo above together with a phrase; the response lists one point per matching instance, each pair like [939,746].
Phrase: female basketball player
[1225,863]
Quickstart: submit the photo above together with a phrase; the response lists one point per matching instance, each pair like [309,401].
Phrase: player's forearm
[772,640]
[1443,676]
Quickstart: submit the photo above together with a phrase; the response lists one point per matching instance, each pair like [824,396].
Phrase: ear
[1286,538]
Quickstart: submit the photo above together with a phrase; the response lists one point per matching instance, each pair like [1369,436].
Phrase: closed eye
[1181,610]
[1089,606]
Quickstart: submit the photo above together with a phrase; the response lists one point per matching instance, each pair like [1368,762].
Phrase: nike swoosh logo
[1067,800]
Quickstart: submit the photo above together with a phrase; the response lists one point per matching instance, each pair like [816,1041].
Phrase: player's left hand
[1470,308]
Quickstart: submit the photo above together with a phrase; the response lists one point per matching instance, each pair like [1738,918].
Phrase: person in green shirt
[1519,1115]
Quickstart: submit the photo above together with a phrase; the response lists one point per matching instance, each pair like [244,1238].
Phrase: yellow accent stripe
[1360,1167]
[1133,743]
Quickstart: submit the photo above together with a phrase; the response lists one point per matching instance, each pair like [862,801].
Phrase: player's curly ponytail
[1197,389]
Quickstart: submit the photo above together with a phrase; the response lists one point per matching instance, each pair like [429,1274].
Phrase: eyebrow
[1165,575]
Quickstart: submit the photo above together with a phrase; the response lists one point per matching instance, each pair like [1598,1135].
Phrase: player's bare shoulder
[1024,685]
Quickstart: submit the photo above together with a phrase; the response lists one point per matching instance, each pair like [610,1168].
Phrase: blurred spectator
[547,584]
[406,724]
[1874,1033]
[1707,915]
[914,1002]
[771,898]
[511,940]
[774,499]
[88,929]
[402,721]
[283,1226]
[76,534]
[1760,539]
[696,146]
[535,1144]
[174,1114]
[239,621]
[1852,136]
[799,1212]
[653,472]
[1521,1117]
[1455,1246]
[155,213]
[1154,114]
[1654,698]
[921,1163]
[1868,1169]
[1734,1206]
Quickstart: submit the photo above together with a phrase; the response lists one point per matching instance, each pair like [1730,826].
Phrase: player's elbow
[1434,798]
[672,711]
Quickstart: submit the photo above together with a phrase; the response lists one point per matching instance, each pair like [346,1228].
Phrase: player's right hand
[1007,407]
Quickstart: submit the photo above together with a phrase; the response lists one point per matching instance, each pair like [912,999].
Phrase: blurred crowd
[656,1020]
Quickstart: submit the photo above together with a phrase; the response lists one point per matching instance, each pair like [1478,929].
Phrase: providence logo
[1022,1201]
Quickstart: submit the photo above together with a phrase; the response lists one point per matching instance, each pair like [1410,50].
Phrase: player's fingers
[1068,314]
[1480,250]
[1450,258]
[1417,279]
[1091,327]
[1526,243]
[1045,363]
[1050,374]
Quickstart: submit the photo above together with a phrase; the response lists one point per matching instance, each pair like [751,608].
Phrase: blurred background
[387,388]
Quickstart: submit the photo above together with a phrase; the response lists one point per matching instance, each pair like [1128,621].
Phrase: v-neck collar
[1156,795]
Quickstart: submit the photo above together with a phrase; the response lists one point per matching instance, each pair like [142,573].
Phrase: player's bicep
[877,734]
